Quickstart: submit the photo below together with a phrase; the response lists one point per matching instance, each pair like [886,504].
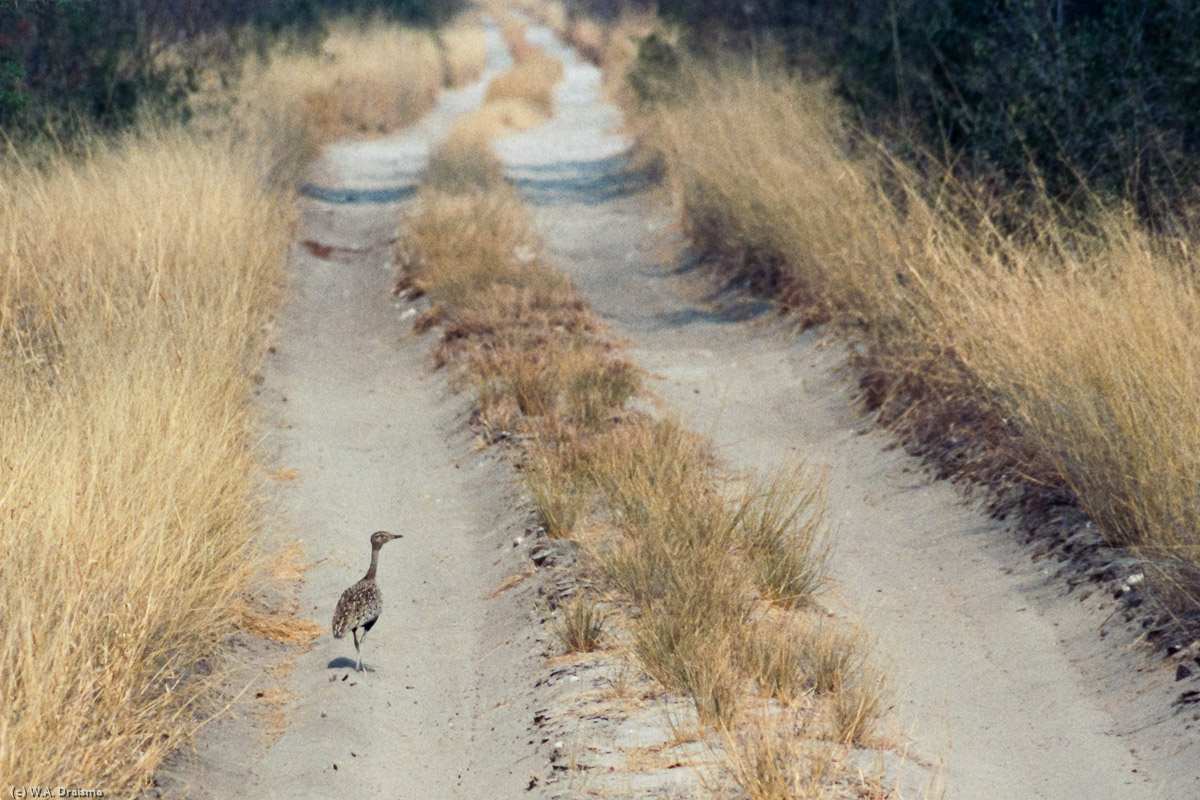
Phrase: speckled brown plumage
[360,605]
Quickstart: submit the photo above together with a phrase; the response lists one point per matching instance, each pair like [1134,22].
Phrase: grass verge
[136,288]
[369,79]
[1045,357]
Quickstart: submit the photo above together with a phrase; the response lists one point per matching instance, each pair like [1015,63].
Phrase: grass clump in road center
[781,529]
[581,626]
[717,582]
[527,341]
[531,81]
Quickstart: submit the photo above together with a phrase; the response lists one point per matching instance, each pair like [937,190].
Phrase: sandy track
[375,446]
[375,442]
[1003,677]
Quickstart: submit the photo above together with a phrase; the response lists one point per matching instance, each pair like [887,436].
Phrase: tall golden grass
[1074,345]
[136,288]
[464,53]
[368,81]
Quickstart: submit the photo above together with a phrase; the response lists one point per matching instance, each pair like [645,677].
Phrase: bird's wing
[358,605]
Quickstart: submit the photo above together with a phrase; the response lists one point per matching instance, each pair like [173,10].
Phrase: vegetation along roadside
[1030,343]
[139,274]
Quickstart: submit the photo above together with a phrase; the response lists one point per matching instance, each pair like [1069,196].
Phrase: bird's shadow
[346,663]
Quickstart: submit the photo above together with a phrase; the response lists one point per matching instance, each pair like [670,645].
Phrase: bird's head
[380,538]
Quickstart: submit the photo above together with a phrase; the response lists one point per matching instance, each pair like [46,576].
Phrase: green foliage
[656,70]
[94,63]
[12,78]
[1065,92]
[1102,93]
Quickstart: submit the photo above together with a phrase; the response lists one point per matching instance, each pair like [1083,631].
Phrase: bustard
[360,605]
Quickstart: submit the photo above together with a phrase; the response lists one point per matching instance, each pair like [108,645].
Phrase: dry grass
[614,47]
[551,13]
[589,38]
[531,80]
[135,292]
[464,53]
[527,334]
[777,759]
[1091,350]
[1065,353]
[465,160]
[559,485]
[540,367]
[782,532]
[368,81]
[581,626]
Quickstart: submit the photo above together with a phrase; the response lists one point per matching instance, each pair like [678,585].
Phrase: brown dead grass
[589,38]
[137,285]
[516,100]
[368,81]
[464,53]
[135,292]
[1063,355]
[531,80]
[580,626]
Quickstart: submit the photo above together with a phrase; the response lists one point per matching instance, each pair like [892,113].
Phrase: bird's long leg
[354,633]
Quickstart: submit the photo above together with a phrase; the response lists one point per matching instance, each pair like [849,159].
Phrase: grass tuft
[580,627]
[775,759]
[782,531]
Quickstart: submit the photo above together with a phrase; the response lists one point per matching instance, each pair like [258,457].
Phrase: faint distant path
[1000,676]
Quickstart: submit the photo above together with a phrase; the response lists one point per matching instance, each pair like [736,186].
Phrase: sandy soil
[1001,677]
[368,440]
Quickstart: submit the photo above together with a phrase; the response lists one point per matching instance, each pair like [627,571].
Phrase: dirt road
[1003,678]
[368,440]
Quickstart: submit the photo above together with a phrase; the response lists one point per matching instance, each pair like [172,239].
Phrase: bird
[359,606]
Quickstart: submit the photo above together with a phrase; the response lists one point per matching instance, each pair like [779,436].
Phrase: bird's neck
[374,563]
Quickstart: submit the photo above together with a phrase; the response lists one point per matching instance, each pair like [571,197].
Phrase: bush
[1053,92]
[655,71]
[74,63]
